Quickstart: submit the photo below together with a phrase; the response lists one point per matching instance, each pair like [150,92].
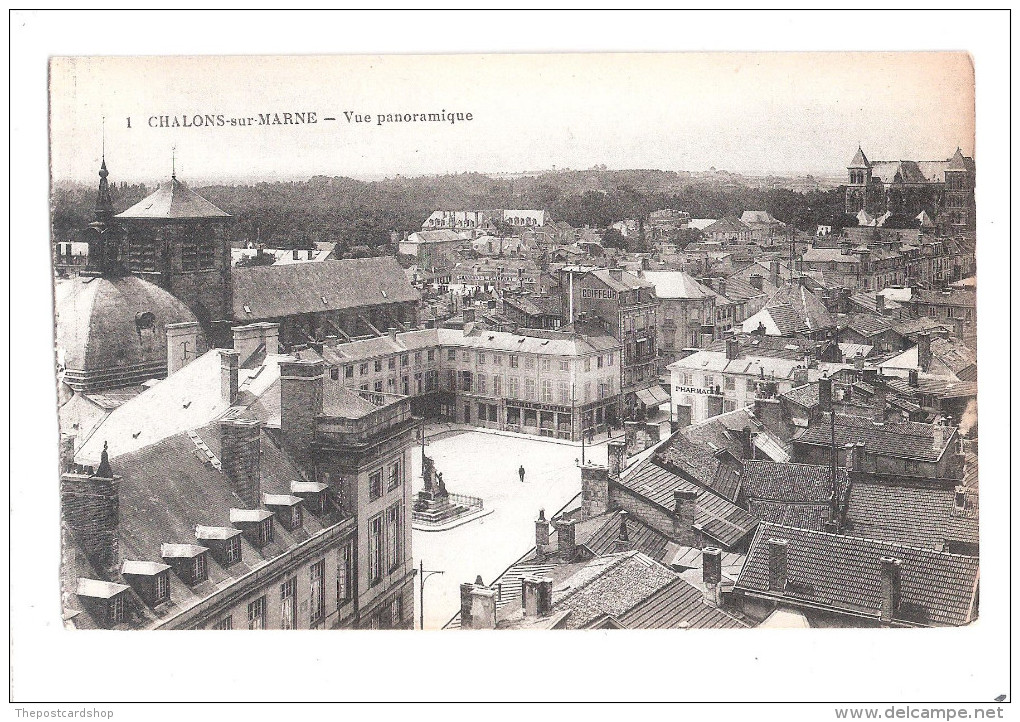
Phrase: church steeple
[104,201]
[104,241]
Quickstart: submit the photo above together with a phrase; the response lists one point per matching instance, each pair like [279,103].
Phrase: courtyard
[486,465]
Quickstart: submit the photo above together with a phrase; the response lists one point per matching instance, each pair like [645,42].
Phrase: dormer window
[199,573]
[187,560]
[256,524]
[162,591]
[266,531]
[105,600]
[151,580]
[115,611]
[232,550]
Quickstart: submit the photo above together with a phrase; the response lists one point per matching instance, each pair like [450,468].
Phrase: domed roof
[111,332]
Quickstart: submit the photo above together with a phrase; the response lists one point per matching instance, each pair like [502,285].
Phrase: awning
[653,396]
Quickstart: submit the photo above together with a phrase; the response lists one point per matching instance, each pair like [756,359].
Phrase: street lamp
[423,574]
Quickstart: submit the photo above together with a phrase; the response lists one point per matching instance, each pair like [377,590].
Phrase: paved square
[485,465]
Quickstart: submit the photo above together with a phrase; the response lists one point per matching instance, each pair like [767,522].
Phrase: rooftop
[173,201]
[904,439]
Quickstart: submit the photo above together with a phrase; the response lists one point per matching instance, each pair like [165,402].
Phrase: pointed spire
[173,162]
[860,160]
[958,161]
[104,471]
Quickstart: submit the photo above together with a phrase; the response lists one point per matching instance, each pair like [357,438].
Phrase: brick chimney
[248,339]
[565,544]
[537,596]
[924,351]
[711,565]
[241,457]
[67,443]
[732,349]
[777,565]
[878,401]
[880,303]
[890,571]
[228,375]
[594,490]
[483,608]
[301,387]
[617,451]
[90,506]
[181,345]
[465,604]
[541,534]
[774,273]
[912,378]
[825,394]
[685,510]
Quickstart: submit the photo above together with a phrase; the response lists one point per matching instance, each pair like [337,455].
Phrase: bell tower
[859,172]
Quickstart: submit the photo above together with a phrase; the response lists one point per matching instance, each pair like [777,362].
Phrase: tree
[612,238]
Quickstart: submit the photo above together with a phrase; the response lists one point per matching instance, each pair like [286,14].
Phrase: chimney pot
[541,534]
[732,349]
[617,452]
[594,490]
[565,544]
[537,596]
[912,378]
[483,608]
[711,565]
[228,375]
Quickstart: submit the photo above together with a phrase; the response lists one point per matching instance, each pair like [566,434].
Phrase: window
[232,550]
[465,380]
[564,393]
[417,357]
[546,364]
[378,386]
[391,385]
[564,365]
[481,358]
[226,623]
[288,604]
[599,361]
[405,359]
[334,373]
[116,609]
[752,385]
[481,412]
[465,357]
[257,614]
[394,480]
[378,365]
[587,365]
[709,381]
[375,550]
[349,371]
[431,355]
[317,598]
[529,362]
[404,386]
[730,383]
[363,369]
[529,389]
[547,394]
[481,384]
[393,537]
[392,365]
[198,569]
[344,574]
[375,485]
[728,405]
[364,386]
[514,361]
[610,360]
[497,385]
[451,355]
[514,388]
[587,392]
[497,359]
[451,376]
[266,531]
[162,588]
[397,612]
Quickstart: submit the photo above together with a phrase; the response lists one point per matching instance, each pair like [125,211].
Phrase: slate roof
[843,573]
[279,291]
[952,297]
[771,481]
[628,280]
[868,325]
[727,225]
[796,309]
[904,439]
[173,201]
[915,516]
[601,535]
[678,605]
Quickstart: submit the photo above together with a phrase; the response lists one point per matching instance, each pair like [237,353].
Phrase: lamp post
[423,574]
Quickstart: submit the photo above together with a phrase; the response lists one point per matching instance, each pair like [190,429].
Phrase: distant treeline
[363,214]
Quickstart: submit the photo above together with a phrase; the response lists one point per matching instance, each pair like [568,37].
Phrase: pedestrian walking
[521,472]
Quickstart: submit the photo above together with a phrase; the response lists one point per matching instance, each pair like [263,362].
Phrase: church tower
[859,172]
[176,239]
[958,210]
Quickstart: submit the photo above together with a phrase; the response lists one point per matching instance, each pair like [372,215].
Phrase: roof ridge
[883,542]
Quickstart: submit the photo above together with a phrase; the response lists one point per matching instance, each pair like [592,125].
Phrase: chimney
[722,287]
[878,401]
[757,282]
[912,378]
[392,334]
[181,345]
[469,315]
[869,376]
[616,274]
[241,457]
[594,490]
[854,456]
[250,338]
[483,608]
[617,452]
[880,303]
[924,351]
[711,565]
[541,534]
[624,531]
[537,596]
[465,605]
[777,565]
[565,545]
[890,587]
[90,505]
[732,349]
[67,442]
[774,271]
[825,394]
[228,375]
[301,387]
[685,509]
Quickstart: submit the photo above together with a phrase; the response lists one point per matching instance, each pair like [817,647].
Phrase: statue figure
[442,486]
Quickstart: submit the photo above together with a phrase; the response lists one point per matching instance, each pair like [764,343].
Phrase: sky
[781,113]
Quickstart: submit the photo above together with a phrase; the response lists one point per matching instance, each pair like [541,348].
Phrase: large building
[541,382]
[944,189]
